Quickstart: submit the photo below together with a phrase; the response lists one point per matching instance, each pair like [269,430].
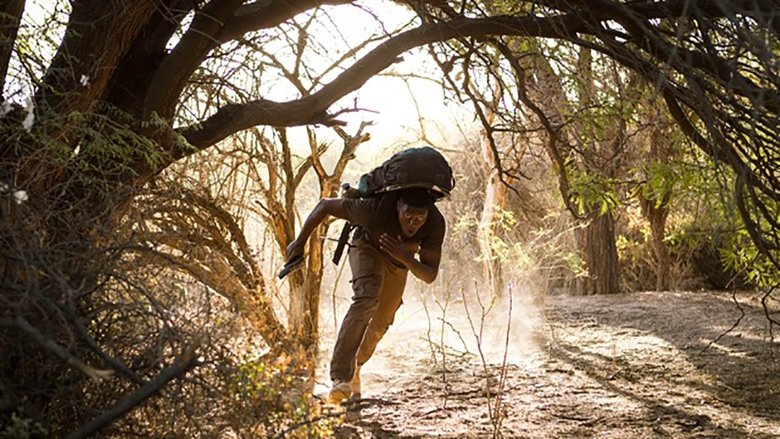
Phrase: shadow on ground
[622,366]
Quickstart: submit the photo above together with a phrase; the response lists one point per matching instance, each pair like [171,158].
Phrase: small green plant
[22,428]
[280,400]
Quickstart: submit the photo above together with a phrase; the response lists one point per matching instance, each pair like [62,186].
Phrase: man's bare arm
[324,208]
[426,268]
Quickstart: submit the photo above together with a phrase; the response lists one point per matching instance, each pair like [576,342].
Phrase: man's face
[411,218]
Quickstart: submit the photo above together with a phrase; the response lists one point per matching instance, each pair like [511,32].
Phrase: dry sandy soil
[640,365]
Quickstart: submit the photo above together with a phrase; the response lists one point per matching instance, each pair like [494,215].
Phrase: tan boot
[355,383]
[340,391]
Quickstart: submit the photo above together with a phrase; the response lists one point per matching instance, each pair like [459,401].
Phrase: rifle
[347,191]
[342,242]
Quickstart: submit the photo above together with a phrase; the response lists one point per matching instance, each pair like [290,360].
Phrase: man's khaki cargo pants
[378,286]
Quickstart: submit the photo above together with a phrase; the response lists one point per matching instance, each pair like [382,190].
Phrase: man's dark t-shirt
[378,215]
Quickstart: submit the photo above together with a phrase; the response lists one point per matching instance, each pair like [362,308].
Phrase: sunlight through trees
[155,156]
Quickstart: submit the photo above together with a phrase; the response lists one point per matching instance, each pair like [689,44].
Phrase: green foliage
[707,204]
[111,144]
[22,428]
[638,263]
[593,192]
[575,263]
[661,180]
[707,241]
[741,255]
[279,398]
[509,251]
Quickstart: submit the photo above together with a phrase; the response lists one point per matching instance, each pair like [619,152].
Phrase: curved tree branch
[219,22]
[173,73]
[312,109]
[267,14]
[135,72]
[559,163]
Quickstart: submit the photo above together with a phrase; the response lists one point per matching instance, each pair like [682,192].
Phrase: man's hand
[294,249]
[400,250]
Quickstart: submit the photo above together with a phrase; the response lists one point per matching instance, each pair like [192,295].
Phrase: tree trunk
[303,320]
[657,217]
[10,15]
[654,204]
[596,242]
[495,203]
[492,208]
[305,287]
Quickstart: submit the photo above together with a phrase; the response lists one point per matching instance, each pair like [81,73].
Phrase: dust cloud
[634,365]
[440,328]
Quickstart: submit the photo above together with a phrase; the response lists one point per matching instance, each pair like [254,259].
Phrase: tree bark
[303,319]
[596,241]
[596,237]
[99,34]
[655,207]
[492,209]
[135,72]
[171,77]
[305,290]
[657,215]
[10,16]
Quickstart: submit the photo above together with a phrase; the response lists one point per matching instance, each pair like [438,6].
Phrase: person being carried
[397,232]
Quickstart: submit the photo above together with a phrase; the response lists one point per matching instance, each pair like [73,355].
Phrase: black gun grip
[290,266]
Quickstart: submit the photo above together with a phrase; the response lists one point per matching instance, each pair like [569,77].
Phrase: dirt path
[600,366]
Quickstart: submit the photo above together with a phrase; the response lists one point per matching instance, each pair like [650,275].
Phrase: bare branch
[169,80]
[183,364]
[56,349]
[313,109]
[267,14]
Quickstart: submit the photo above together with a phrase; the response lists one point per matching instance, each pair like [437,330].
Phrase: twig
[723,334]
[577,418]
[764,299]
[50,345]
[460,336]
[438,409]
[478,337]
[502,375]
[333,296]
[443,309]
[428,332]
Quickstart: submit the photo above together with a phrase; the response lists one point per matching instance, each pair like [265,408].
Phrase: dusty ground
[624,366]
